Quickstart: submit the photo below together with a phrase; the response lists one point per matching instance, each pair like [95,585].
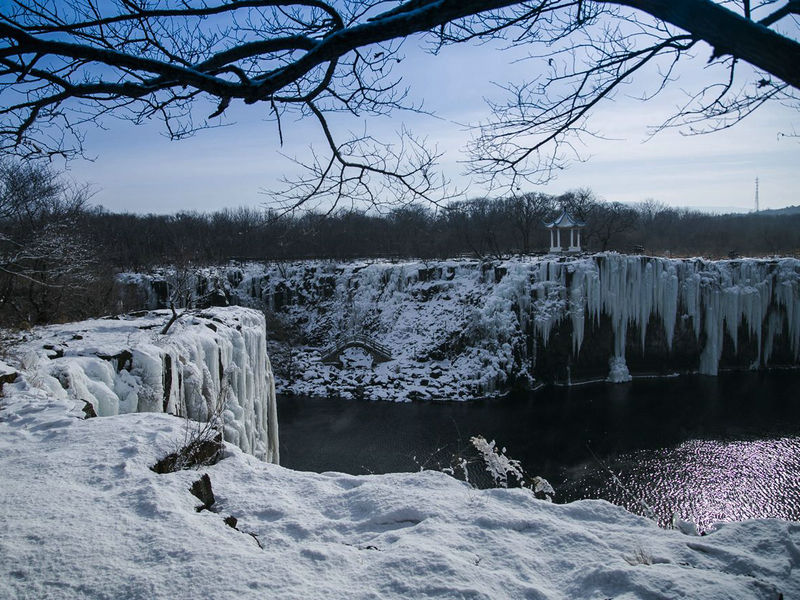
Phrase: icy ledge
[210,360]
[83,516]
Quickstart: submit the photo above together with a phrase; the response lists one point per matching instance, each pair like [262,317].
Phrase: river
[708,449]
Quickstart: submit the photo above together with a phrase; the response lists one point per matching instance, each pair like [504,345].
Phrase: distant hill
[780,212]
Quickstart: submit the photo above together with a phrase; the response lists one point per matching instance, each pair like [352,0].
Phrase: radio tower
[756,194]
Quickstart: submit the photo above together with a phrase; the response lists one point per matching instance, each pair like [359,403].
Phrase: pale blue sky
[137,169]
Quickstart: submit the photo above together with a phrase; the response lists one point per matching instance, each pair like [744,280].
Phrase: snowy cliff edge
[210,361]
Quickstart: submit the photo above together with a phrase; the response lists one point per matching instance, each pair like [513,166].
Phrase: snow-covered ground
[82,515]
[459,329]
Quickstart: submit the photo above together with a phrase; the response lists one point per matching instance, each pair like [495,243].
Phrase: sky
[137,169]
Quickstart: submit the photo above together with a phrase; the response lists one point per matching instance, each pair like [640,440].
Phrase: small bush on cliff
[202,443]
[483,465]
[201,451]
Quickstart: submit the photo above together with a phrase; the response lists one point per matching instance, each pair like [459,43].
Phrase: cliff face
[458,329]
[212,361]
[652,315]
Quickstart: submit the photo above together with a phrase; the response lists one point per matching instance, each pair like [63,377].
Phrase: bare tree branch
[67,64]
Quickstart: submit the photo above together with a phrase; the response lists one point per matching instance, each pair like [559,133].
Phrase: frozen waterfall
[465,328]
[716,297]
[210,361]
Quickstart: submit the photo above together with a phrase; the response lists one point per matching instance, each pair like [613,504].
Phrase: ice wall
[716,297]
[210,362]
[489,325]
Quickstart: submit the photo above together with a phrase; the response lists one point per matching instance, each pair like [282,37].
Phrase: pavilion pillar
[571,238]
[579,239]
[558,237]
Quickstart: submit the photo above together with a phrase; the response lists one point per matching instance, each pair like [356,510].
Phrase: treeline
[483,228]
[50,270]
[58,253]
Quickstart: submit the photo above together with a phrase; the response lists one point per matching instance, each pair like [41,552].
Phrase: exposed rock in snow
[484,327]
[83,516]
[211,362]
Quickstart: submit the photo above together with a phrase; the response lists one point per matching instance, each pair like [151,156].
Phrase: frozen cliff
[710,306]
[462,328]
[210,362]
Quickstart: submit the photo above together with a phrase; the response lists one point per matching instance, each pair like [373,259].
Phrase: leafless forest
[58,253]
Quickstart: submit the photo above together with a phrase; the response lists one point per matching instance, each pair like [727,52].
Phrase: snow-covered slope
[209,362]
[83,516]
[458,329]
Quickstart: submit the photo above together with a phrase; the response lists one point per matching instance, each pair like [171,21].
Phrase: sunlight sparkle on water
[708,481]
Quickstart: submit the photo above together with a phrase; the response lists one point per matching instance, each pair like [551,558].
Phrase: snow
[6,369]
[356,358]
[83,516]
[478,326]
[209,361]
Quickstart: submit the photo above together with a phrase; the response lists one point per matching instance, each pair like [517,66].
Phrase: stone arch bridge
[379,352]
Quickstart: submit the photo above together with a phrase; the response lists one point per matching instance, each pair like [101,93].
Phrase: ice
[483,322]
[618,370]
[631,290]
[213,361]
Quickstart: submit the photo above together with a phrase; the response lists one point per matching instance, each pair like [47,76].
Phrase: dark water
[709,449]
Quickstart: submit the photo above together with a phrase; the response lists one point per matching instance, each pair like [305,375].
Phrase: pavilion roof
[565,221]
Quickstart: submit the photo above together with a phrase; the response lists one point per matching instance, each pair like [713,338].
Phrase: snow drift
[210,362]
[460,328]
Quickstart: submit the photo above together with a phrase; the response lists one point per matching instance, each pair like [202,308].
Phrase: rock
[201,489]
[88,410]
[215,298]
[7,374]
[123,359]
[55,351]
[231,521]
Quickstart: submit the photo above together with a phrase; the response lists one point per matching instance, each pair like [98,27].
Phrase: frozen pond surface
[710,449]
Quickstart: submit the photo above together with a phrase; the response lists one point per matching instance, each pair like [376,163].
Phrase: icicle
[712,319]
[668,301]
[647,287]
[577,303]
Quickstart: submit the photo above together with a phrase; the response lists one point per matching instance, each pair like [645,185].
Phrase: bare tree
[581,203]
[526,213]
[46,265]
[33,194]
[481,224]
[610,221]
[480,227]
[66,63]
[605,221]
[649,209]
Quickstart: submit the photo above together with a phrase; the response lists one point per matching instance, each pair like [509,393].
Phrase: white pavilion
[564,222]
